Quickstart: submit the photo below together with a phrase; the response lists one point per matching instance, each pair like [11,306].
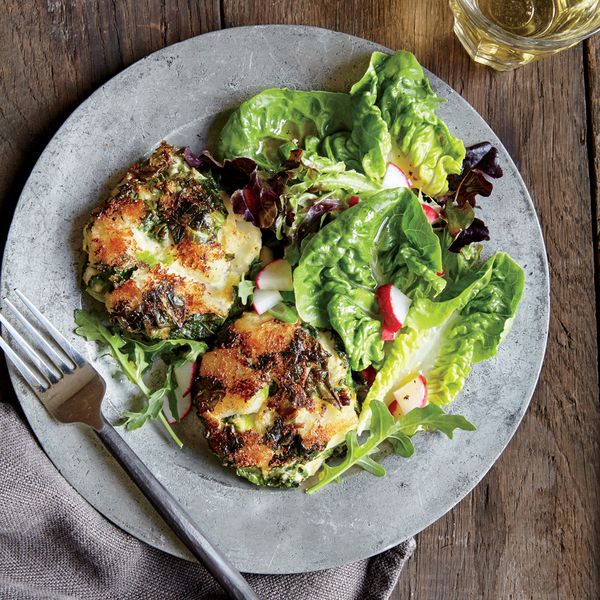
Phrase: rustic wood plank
[592,63]
[531,528]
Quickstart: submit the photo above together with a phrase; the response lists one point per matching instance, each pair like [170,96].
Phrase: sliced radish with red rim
[394,306]
[184,377]
[431,214]
[264,300]
[395,178]
[277,276]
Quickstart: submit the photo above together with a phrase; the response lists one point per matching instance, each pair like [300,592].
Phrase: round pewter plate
[182,94]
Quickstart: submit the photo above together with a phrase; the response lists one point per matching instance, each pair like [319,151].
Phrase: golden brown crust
[227,369]
[110,239]
[199,257]
[164,299]
[165,228]
[270,337]
[266,396]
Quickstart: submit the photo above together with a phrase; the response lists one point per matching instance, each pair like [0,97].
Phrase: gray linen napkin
[53,544]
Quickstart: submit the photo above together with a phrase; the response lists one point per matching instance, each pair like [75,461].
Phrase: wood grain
[531,529]
[592,71]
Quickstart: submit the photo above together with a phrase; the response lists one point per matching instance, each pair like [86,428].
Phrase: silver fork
[72,391]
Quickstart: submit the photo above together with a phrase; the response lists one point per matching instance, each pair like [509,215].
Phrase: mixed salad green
[370,201]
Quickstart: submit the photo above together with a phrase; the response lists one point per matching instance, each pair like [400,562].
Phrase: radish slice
[395,178]
[388,335]
[184,376]
[265,300]
[431,214]
[353,200]
[276,276]
[411,395]
[266,256]
[394,306]
[394,408]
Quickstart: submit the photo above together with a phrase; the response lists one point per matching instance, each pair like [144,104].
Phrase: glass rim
[522,42]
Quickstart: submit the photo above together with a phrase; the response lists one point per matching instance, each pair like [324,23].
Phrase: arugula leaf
[93,329]
[135,419]
[245,290]
[135,358]
[397,433]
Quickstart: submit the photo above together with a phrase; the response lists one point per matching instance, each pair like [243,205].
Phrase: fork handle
[228,577]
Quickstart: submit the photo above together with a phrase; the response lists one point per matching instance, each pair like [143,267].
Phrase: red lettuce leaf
[258,201]
[312,220]
[475,232]
[472,184]
[232,174]
[483,157]
[481,161]
[253,196]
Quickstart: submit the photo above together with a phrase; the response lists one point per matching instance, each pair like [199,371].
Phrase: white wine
[541,18]
[505,34]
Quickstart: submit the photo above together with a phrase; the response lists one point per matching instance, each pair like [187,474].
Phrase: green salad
[359,319]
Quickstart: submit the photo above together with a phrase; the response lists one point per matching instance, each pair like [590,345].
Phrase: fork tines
[50,365]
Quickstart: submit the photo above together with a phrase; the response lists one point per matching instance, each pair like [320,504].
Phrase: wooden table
[531,528]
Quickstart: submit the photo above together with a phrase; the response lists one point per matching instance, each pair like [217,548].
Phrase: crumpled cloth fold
[54,545]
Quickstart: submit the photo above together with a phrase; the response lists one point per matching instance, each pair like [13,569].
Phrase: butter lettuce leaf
[458,264]
[368,146]
[442,337]
[385,238]
[267,126]
[394,119]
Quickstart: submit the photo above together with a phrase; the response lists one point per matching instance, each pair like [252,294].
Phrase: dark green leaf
[401,445]
[385,428]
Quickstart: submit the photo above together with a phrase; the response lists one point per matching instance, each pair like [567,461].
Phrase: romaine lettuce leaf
[394,119]
[444,336]
[385,238]
[281,117]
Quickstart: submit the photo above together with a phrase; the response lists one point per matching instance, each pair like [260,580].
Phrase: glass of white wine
[505,34]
